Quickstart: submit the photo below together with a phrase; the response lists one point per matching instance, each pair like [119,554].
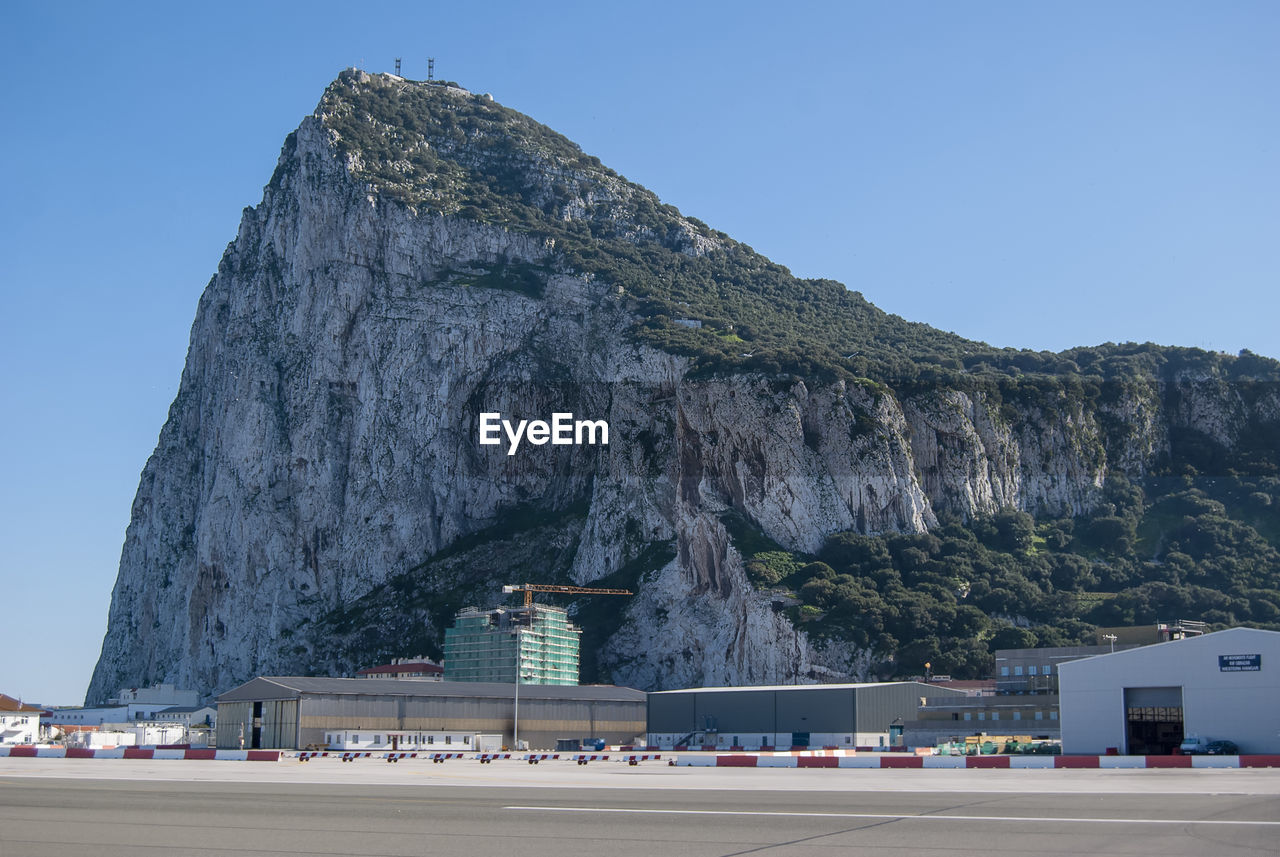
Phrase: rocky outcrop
[324,440]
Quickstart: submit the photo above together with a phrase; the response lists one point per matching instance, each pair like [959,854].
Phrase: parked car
[1194,746]
[1221,748]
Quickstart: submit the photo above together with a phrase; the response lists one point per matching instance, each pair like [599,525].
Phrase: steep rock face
[324,440]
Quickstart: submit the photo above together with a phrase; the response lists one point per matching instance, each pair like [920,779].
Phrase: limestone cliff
[323,441]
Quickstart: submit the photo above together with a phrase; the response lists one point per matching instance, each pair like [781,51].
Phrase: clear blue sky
[1036,175]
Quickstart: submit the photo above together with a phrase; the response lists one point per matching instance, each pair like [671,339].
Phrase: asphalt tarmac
[110,808]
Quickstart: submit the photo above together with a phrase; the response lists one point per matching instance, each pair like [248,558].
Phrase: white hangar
[1219,686]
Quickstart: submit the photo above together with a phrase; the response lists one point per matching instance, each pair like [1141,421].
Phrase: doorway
[1153,720]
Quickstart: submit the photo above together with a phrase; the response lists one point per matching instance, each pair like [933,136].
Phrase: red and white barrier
[637,758]
[535,758]
[882,762]
[487,758]
[396,757]
[139,753]
[438,758]
[583,758]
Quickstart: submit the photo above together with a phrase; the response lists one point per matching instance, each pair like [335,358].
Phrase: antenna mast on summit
[397,66]
[431,68]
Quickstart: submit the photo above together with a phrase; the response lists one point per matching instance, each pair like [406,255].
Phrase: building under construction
[486,645]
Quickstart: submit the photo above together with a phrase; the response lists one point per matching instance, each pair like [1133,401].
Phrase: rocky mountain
[319,498]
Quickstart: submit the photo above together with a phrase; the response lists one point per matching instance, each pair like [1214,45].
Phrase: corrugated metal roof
[276,687]
[767,687]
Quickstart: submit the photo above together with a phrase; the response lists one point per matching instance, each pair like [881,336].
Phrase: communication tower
[397,66]
[431,69]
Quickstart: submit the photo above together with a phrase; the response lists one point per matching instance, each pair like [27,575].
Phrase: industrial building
[1223,685]
[293,712]
[821,715]
[482,646]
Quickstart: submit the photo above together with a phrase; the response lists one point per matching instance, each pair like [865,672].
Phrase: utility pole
[1112,639]
[515,720]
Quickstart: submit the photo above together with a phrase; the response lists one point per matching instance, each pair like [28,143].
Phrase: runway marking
[1030,819]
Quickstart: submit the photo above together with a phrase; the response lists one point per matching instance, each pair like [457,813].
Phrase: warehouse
[816,715]
[1219,686]
[294,712]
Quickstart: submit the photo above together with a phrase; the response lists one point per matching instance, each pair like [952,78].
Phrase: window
[448,739]
[1031,670]
[355,739]
[1046,669]
[466,739]
[1017,670]
[377,739]
[1004,671]
[1017,715]
[1053,715]
[1039,715]
[968,715]
[995,715]
[982,715]
[431,739]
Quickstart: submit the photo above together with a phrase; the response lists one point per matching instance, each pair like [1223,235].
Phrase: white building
[19,723]
[82,719]
[189,715]
[1224,685]
[144,702]
[411,741]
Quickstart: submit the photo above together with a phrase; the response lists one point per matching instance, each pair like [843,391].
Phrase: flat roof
[278,687]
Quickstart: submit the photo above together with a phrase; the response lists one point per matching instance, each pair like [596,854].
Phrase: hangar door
[1153,720]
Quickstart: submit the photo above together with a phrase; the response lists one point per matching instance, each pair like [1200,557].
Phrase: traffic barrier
[945,762]
[996,762]
[1206,761]
[439,758]
[637,758]
[535,758]
[396,757]
[487,758]
[351,757]
[1031,762]
[1260,761]
[817,761]
[583,758]
[139,753]
[987,761]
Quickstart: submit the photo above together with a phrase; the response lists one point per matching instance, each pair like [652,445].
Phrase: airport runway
[515,810]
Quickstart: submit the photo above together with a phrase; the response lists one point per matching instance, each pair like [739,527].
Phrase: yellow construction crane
[529,588]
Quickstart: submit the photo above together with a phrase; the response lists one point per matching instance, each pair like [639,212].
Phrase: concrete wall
[1238,706]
